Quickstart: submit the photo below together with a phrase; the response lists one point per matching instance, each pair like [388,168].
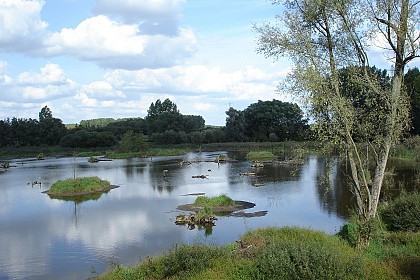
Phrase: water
[44,238]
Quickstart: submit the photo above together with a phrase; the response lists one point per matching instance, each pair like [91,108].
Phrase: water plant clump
[79,185]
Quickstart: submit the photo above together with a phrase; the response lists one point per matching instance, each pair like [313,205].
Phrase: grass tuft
[218,201]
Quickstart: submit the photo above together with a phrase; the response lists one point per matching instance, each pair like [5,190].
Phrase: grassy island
[80,186]
[206,207]
[218,201]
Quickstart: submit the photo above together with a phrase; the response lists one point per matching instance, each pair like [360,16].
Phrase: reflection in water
[43,238]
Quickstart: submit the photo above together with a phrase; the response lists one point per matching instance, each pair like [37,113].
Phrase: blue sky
[89,59]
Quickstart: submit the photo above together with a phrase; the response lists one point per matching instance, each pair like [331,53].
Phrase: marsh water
[44,238]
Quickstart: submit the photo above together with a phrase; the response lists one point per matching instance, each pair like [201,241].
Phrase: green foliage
[402,214]
[272,253]
[86,184]
[221,200]
[100,122]
[266,121]
[412,84]
[235,126]
[350,232]
[281,120]
[132,142]
[88,139]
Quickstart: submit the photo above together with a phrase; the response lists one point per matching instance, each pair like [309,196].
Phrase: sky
[87,59]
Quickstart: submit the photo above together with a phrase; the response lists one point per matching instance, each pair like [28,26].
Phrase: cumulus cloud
[127,35]
[49,83]
[21,26]
[154,16]
[50,74]
[112,44]
[196,79]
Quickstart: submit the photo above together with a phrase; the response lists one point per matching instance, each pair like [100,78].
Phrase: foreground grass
[271,253]
[78,185]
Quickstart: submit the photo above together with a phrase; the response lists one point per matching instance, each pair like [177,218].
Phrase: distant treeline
[164,124]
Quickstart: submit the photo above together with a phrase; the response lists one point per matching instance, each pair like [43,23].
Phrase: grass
[263,155]
[271,253]
[78,185]
[218,201]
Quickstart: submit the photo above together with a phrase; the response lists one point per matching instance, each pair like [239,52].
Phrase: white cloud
[49,83]
[98,37]
[111,44]
[154,16]
[21,25]
[4,78]
[50,74]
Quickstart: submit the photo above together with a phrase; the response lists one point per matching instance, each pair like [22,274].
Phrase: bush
[402,214]
[349,232]
[187,259]
[293,253]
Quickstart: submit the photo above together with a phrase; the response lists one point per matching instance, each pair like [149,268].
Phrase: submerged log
[248,174]
[200,176]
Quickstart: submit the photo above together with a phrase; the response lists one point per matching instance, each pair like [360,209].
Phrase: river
[44,238]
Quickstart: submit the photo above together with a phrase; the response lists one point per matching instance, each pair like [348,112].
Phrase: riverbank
[296,253]
[282,253]
[281,150]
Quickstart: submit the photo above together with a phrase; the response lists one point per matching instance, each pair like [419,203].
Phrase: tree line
[260,122]
[164,124]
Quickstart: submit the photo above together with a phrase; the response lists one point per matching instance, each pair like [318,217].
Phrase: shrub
[349,232]
[187,259]
[402,214]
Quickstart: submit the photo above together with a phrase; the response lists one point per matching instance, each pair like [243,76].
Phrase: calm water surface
[44,238]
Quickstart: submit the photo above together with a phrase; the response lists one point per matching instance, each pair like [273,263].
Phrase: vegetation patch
[273,253]
[205,207]
[263,155]
[218,201]
[402,214]
[79,186]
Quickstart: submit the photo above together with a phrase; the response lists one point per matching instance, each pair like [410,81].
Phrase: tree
[274,120]
[163,116]
[88,139]
[45,114]
[235,126]
[412,84]
[322,36]
[51,129]
[133,142]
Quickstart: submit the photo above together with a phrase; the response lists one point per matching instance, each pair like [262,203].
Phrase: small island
[79,187]
[205,207]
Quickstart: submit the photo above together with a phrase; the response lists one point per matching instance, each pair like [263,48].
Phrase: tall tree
[322,36]
[235,126]
[163,116]
[51,129]
[45,114]
[269,120]
[412,83]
